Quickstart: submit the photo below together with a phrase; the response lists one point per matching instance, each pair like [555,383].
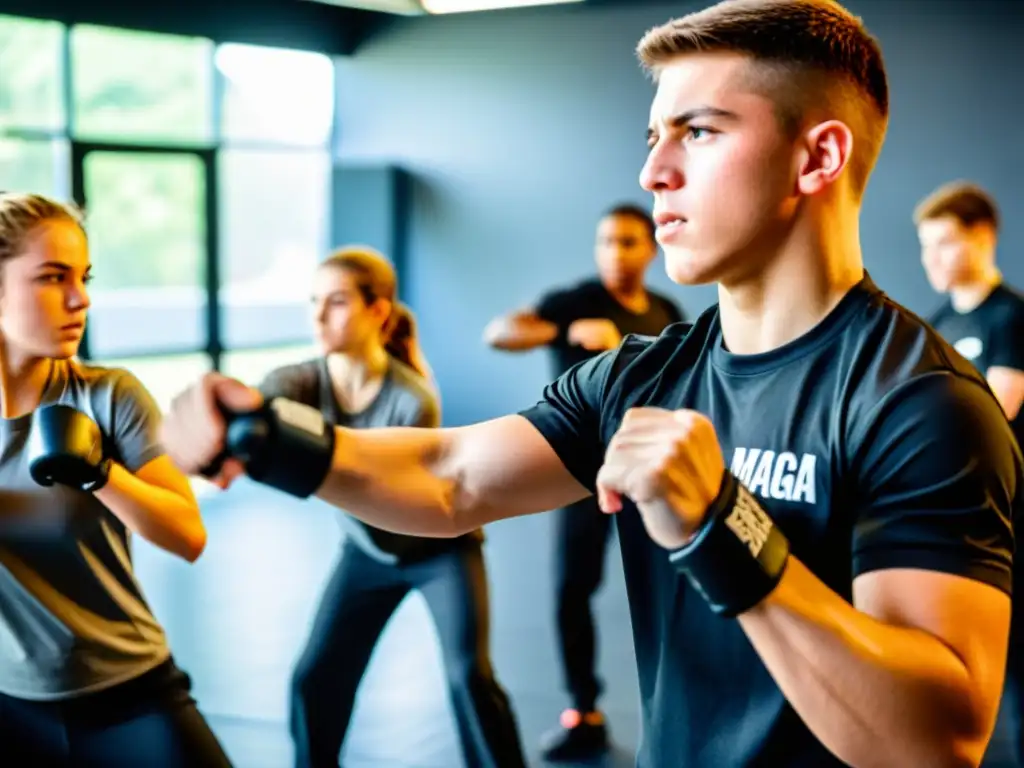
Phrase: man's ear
[828,147]
[984,234]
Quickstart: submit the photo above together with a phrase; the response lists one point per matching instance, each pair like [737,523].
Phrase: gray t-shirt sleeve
[136,422]
[292,382]
[414,402]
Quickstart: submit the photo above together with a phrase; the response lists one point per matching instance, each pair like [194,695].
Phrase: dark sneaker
[578,737]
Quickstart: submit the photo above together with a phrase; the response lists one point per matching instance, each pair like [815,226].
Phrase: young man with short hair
[813,493]
[983,318]
[578,323]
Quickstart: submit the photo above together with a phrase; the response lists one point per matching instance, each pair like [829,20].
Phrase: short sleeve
[939,476]
[290,382]
[558,307]
[568,415]
[1006,344]
[573,408]
[136,421]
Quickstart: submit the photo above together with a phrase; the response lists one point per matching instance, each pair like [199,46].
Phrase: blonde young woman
[86,675]
[372,373]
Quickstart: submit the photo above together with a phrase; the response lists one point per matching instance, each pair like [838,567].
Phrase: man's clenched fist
[670,464]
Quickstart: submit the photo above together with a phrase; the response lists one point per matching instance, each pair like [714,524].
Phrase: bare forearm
[398,479]
[446,482]
[519,333]
[161,516]
[874,694]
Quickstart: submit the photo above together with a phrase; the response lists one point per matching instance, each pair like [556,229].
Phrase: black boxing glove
[65,446]
[738,555]
[283,444]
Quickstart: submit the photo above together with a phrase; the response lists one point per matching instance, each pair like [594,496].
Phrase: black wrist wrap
[738,555]
[284,444]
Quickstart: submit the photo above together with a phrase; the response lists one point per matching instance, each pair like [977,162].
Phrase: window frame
[212,107]
[80,150]
[15,132]
[216,345]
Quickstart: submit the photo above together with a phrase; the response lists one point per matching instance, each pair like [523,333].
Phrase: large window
[194,160]
[31,75]
[272,236]
[34,165]
[136,86]
[146,216]
[276,96]
[33,153]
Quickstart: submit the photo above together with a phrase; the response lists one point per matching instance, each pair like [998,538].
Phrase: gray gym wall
[519,127]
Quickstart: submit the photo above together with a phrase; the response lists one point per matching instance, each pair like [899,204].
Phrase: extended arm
[446,482]
[519,331]
[157,503]
[427,482]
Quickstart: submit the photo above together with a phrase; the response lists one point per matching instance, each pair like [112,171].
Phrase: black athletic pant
[581,537]
[150,721]
[360,597]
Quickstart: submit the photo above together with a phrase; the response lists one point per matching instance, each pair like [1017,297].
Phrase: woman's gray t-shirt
[73,618]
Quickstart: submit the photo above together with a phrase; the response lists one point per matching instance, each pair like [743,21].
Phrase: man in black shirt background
[576,324]
[983,318]
[813,492]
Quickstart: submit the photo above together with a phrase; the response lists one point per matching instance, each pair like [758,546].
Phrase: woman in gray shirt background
[372,374]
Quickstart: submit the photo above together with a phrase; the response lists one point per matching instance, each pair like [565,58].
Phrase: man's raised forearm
[401,479]
[873,693]
[519,333]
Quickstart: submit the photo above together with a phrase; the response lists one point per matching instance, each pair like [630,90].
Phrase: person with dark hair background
[578,323]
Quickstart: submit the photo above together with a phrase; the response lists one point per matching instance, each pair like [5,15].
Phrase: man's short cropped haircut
[966,202]
[805,54]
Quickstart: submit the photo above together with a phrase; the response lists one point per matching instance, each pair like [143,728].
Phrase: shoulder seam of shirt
[633,344]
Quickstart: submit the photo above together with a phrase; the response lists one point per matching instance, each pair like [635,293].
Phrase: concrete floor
[239,616]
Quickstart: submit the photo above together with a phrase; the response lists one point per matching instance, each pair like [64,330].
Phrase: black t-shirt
[870,444]
[990,335]
[591,300]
